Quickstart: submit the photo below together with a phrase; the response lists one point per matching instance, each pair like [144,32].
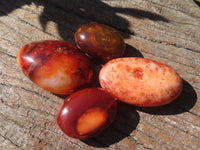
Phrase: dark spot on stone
[138,73]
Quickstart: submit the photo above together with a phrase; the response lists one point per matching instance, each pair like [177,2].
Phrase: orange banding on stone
[90,120]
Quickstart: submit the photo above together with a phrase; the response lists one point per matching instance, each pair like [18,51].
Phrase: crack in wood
[142,144]
[9,55]
[30,91]
[10,42]
[10,141]
[176,127]
[165,6]
[13,29]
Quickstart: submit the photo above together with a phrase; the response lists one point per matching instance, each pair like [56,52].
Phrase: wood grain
[166,31]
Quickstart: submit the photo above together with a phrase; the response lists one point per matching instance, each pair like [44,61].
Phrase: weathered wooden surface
[166,31]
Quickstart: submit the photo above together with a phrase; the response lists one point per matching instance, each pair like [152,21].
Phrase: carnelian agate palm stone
[56,66]
[141,82]
[100,41]
[86,113]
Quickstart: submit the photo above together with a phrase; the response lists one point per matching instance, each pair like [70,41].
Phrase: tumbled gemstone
[86,113]
[56,66]
[100,41]
[140,81]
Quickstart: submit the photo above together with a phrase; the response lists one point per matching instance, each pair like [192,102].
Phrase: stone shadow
[93,11]
[69,15]
[132,52]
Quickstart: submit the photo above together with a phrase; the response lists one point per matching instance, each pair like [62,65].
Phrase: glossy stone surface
[140,81]
[100,41]
[86,113]
[56,66]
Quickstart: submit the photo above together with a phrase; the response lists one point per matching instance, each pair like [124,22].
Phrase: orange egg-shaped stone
[56,66]
[140,81]
[100,41]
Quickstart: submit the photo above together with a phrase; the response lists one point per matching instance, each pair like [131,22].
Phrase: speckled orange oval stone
[100,41]
[140,81]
